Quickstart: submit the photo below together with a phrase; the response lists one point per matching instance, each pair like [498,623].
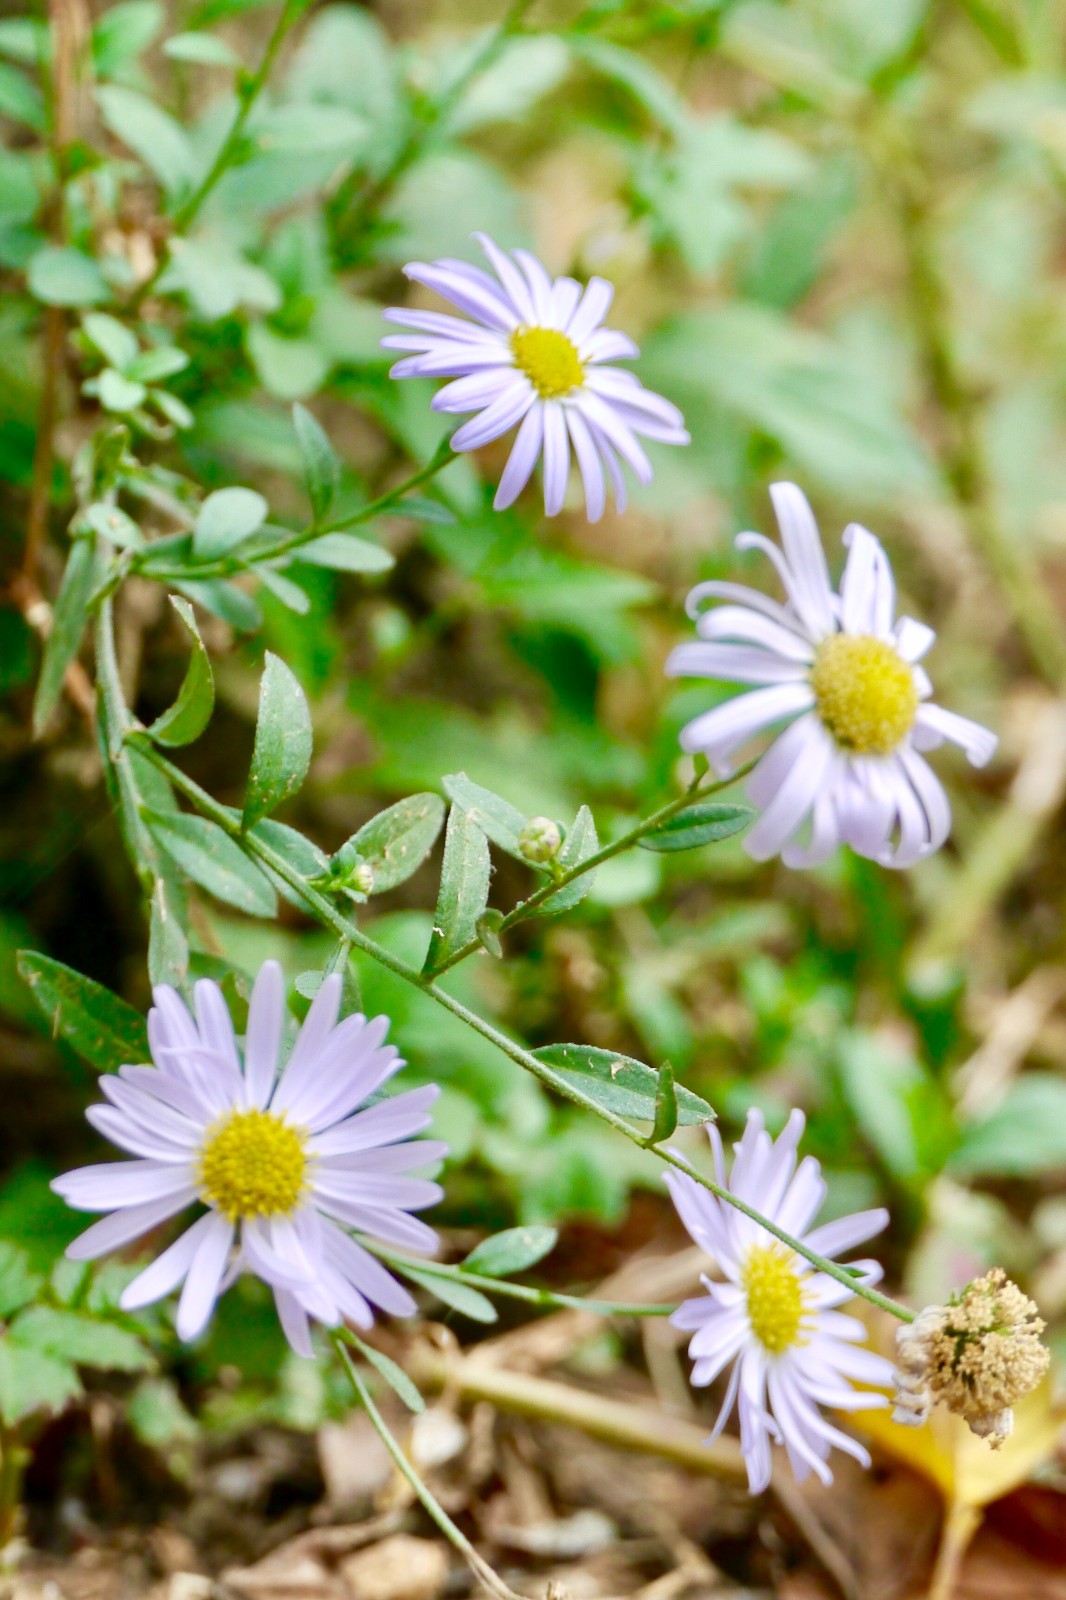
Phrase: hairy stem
[477,1563]
[331,917]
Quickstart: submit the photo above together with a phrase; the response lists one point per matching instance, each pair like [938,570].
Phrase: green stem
[230,566]
[477,1563]
[329,916]
[526,908]
[531,1296]
[190,208]
[352,211]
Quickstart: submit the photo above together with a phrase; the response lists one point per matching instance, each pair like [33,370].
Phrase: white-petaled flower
[845,675]
[286,1165]
[774,1317]
[534,356]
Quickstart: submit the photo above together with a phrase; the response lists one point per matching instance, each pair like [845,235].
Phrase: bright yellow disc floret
[252,1164]
[774,1297]
[549,360]
[865,693]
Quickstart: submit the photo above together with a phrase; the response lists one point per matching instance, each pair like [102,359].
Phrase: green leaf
[111,338]
[459,1296]
[112,524]
[123,31]
[19,1284]
[100,1026]
[665,1106]
[68,624]
[63,276]
[32,1381]
[897,1103]
[488,932]
[496,817]
[397,841]
[464,887]
[309,128]
[283,741]
[211,858]
[580,843]
[702,823]
[394,1376]
[225,520]
[168,948]
[154,136]
[618,1083]
[513,1250]
[344,552]
[191,712]
[116,393]
[152,366]
[322,466]
[202,48]
[21,100]
[1024,1135]
[223,599]
[86,1341]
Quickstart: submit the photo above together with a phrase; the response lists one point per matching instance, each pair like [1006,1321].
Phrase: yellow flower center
[775,1297]
[253,1165]
[865,693]
[549,360]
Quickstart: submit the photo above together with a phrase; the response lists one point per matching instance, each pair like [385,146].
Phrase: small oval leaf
[212,859]
[397,841]
[702,823]
[464,887]
[514,1250]
[225,520]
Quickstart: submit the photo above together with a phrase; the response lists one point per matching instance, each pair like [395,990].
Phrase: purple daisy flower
[286,1164]
[536,357]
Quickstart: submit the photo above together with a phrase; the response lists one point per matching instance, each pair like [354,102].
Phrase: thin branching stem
[455,1536]
[331,917]
[625,841]
[550,1299]
[231,566]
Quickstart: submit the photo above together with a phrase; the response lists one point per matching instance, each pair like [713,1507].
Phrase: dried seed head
[978,1355]
[540,839]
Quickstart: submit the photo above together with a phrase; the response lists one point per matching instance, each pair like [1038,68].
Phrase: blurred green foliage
[834,226]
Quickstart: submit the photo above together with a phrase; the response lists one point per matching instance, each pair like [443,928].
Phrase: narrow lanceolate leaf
[493,815]
[168,948]
[99,1026]
[210,858]
[580,843]
[666,1112]
[464,887]
[397,841]
[702,823]
[618,1083]
[321,463]
[460,1296]
[225,520]
[394,1376]
[68,625]
[514,1250]
[344,552]
[191,711]
[283,741]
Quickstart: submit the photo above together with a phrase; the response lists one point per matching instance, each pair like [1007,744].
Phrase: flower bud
[978,1355]
[540,839]
[361,878]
